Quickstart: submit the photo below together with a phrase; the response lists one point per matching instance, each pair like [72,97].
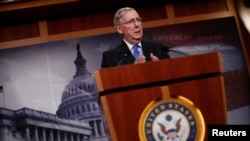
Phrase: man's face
[131,27]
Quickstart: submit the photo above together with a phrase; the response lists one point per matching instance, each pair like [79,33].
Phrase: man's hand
[153,57]
[140,59]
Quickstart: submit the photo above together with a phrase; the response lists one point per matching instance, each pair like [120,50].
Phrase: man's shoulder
[151,43]
[110,50]
[117,48]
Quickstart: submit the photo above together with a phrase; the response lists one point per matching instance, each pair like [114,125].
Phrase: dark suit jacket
[121,54]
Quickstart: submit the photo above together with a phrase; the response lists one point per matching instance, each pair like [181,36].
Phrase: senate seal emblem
[171,119]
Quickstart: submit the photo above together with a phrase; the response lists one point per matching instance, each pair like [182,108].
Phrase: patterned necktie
[136,52]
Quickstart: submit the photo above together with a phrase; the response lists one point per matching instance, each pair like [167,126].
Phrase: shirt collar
[130,46]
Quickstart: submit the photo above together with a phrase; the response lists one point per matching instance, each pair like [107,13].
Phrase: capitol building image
[78,118]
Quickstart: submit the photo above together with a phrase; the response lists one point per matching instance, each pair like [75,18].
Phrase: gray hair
[119,14]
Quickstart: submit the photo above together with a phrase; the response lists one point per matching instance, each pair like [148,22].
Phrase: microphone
[124,55]
[179,52]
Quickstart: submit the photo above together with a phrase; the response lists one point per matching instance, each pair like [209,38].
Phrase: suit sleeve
[160,50]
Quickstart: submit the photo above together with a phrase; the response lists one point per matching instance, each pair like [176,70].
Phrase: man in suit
[128,24]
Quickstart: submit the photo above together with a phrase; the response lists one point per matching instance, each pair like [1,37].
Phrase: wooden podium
[125,91]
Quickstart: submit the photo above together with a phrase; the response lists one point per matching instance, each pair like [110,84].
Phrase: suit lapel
[146,50]
[124,52]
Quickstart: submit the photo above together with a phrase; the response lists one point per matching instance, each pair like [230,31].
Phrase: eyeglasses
[133,21]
